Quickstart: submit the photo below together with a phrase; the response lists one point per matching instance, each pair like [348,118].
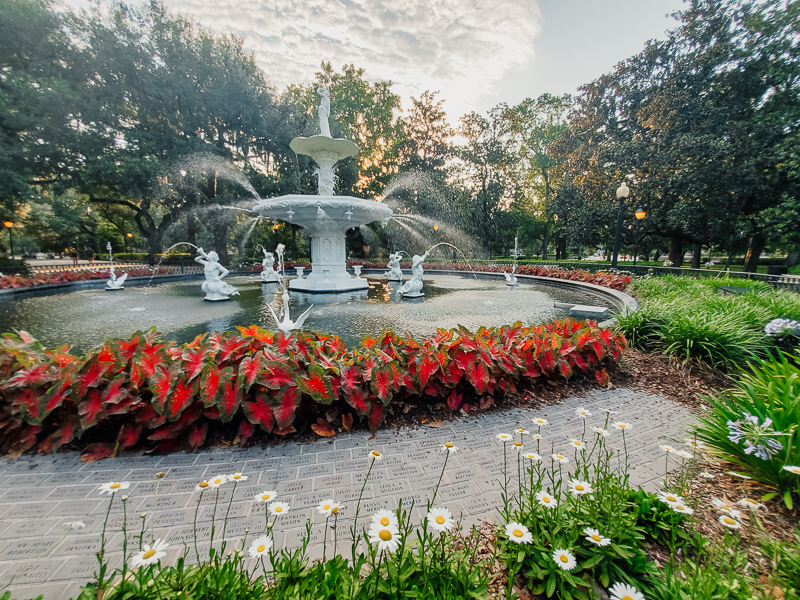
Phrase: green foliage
[656,519]
[766,389]
[785,557]
[690,318]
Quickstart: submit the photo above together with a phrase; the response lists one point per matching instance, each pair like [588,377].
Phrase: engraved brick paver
[42,493]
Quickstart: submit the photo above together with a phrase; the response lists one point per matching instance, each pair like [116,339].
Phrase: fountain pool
[83,318]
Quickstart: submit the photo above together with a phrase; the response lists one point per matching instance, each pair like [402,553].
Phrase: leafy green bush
[690,319]
[785,558]
[656,519]
[768,391]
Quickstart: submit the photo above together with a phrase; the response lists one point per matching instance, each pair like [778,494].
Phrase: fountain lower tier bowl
[327,219]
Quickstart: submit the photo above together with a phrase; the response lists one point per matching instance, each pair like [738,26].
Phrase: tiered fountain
[326,217]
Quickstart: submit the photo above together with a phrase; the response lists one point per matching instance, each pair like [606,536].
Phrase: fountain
[326,217]
[214,286]
[268,274]
[114,283]
[511,279]
[413,287]
[394,273]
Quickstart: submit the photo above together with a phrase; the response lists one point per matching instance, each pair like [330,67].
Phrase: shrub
[15,281]
[769,392]
[145,388]
[687,318]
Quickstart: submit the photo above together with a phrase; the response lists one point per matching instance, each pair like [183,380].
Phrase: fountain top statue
[326,217]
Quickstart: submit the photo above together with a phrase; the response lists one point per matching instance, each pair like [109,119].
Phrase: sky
[477,53]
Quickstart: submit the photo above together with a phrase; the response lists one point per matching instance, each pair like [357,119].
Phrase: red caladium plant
[139,389]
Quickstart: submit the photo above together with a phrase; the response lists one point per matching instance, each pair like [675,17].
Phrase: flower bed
[15,281]
[145,389]
[617,282]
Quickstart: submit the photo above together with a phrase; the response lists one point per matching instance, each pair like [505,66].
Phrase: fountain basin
[327,219]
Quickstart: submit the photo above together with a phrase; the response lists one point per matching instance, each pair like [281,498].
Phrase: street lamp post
[622,194]
[10,224]
[640,214]
[128,237]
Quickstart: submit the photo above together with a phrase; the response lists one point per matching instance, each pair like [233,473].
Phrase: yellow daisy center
[264,497]
[564,558]
[202,484]
[278,509]
[326,507]
[545,499]
[375,453]
[237,476]
[680,507]
[149,553]
[384,521]
[115,486]
[440,519]
[579,487]
[672,498]
[728,520]
[385,535]
[596,537]
[448,444]
[559,457]
[518,533]
[519,444]
[335,509]
[261,548]
[577,443]
[626,598]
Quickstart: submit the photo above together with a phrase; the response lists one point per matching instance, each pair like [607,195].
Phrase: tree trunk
[154,245]
[545,243]
[697,251]
[191,229]
[561,248]
[756,245]
[729,261]
[293,249]
[220,233]
[676,251]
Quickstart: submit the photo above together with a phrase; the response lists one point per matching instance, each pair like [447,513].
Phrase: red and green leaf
[286,404]
[317,385]
[258,411]
[322,428]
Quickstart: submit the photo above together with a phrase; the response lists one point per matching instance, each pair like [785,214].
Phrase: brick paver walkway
[42,493]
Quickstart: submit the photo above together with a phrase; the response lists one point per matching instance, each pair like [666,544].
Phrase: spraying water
[457,249]
[160,260]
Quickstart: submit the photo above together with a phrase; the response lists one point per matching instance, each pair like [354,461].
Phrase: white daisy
[536,437]
[375,455]
[504,437]
[237,478]
[792,469]
[695,444]
[750,504]
[683,454]
[440,519]
[75,525]
[546,499]
[449,447]
[149,555]
[681,508]
[112,487]
[609,411]
[260,546]
[730,522]
[385,518]
[582,412]
[592,535]
[328,507]
[532,456]
[564,559]
[579,488]
[202,486]
[707,475]
[386,537]
[577,444]
[622,591]
[670,498]
[266,496]
[278,508]
[521,431]
[600,431]
[518,533]
[741,476]
[666,448]
[518,446]
[217,481]
[623,426]
[560,458]
[540,422]
[721,504]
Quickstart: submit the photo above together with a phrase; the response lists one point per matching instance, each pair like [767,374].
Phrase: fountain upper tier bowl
[326,218]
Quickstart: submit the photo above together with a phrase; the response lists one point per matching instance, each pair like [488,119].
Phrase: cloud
[461,47]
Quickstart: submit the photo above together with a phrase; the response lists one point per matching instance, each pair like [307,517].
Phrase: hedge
[144,390]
